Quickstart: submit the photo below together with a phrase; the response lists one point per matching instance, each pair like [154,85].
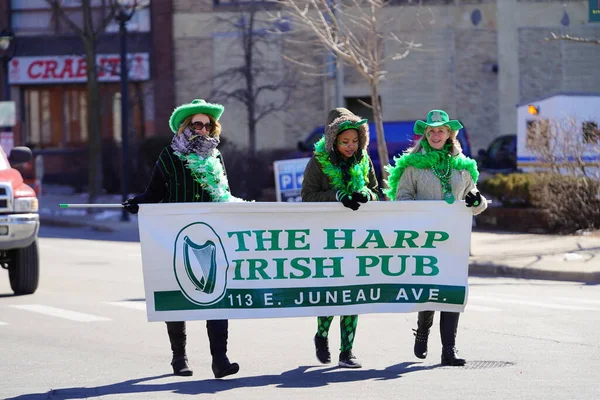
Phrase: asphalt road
[84,334]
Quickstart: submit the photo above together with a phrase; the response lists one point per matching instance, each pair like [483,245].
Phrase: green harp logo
[205,255]
[200,263]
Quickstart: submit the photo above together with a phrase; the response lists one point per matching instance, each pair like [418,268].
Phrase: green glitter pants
[347,329]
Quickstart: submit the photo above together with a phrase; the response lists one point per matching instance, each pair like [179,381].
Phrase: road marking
[3,323]
[531,303]
[472,307]
[576,300]
[136,305]
[61,313]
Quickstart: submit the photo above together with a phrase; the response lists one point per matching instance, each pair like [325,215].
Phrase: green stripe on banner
[316,296]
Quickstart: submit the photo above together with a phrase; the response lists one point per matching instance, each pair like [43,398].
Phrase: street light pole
[124,109]
[124,10]
[7,51]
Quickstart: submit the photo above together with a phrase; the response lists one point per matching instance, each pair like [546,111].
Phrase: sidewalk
[533,256]
[500,254]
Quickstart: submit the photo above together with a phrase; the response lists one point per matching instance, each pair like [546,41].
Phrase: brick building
[480,59]
[47,80]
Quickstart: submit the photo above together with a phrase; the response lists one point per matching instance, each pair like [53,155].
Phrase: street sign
[8,113]
[288,179]
[594,10]
[7,141]
[70,69]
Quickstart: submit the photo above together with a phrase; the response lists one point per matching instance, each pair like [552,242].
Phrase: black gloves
[473,199]
[131,206]
[347,201]
[360,197]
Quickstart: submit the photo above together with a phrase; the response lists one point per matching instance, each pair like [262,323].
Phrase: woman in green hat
[436,169]
[340,170]
[191,169]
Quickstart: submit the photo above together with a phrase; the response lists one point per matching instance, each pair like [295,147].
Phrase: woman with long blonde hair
[436,169]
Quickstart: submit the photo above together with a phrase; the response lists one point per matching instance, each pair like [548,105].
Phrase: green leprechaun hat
[197,106]
[436,118]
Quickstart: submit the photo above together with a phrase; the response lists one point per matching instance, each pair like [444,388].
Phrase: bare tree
[353,30]
[255,76]
[566,146]
[89,33]
[262,85]
[573,38]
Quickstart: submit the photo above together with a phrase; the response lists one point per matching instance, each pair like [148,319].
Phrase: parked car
[500,156]
[19,224]
[398,136]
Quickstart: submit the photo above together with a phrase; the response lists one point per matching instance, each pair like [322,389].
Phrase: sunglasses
[198,126]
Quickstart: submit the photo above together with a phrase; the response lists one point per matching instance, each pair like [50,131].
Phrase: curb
[505,271]
[61,222]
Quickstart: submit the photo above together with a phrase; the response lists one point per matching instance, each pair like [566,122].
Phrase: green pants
[347,329]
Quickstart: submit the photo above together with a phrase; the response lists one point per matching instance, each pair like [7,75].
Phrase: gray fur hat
[337,122]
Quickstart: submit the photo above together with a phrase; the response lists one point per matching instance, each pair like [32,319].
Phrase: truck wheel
[24,270]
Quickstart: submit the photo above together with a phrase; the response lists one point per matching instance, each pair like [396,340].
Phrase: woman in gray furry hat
[340,170]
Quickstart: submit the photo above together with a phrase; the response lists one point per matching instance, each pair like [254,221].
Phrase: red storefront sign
[65,69]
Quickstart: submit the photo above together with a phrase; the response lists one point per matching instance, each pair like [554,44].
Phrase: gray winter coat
[422,184]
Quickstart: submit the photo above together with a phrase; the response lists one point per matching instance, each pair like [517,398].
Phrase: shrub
[573,203]
[512,189]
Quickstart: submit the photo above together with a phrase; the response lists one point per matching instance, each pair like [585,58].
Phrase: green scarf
[209,173]
[430,159]
[359,172]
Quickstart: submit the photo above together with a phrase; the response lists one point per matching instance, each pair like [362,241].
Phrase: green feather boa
[359,172]
[209,173]
[430,159]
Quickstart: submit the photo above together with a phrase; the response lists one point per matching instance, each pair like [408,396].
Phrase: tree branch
[573,39]
[107,19]
[56,8]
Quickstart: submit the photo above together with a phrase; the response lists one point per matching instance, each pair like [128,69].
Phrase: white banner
[268,260]
[64,69]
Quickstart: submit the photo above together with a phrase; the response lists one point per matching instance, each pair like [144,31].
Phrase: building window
[591,133]
[538,132]
[360,106]
[56,115]
[36,17]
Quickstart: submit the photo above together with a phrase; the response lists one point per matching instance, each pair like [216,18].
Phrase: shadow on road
[120,234]
[301,377]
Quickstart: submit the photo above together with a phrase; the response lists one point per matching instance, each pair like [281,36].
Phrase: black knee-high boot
[178,339]
[424,322]
[448,328]
[217,336]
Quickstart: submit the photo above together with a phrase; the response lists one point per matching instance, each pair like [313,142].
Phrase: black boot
[448,329]
[222,367]
[424,322]
[217,336]
[178,337]
[322,349]
[450,357]
[181,367]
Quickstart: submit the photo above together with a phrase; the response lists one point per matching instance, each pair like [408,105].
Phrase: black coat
[172,182]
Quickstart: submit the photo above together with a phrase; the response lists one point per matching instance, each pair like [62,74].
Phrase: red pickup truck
[19,224]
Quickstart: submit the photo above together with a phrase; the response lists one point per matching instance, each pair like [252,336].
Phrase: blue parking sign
[289,175]
[299,178]
[287,181]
